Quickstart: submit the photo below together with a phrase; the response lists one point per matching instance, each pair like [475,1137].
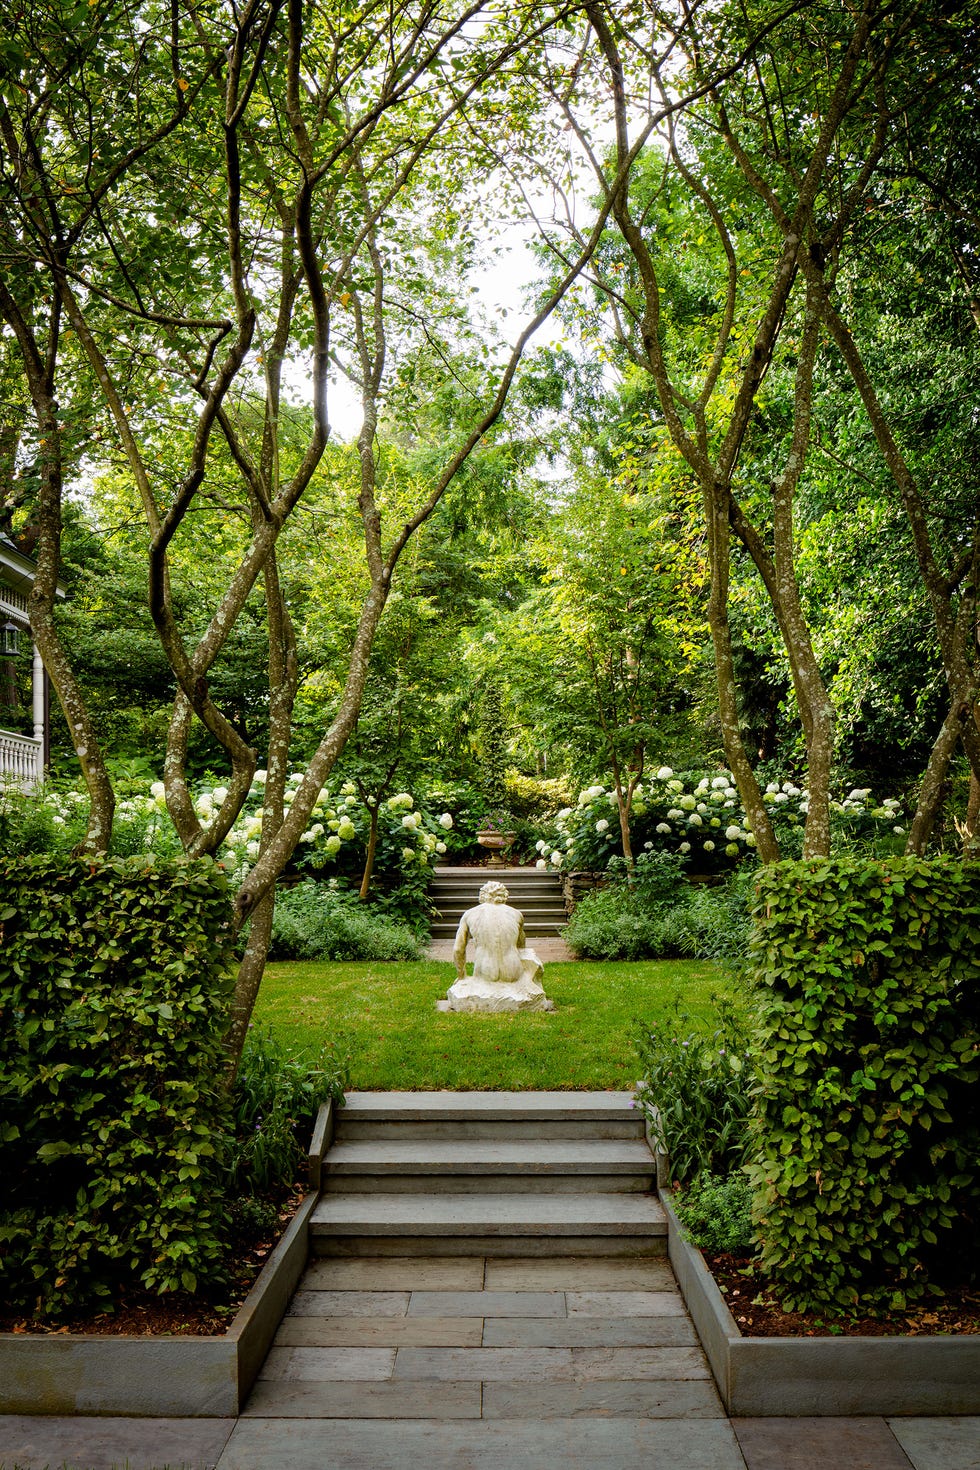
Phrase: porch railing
[21,759]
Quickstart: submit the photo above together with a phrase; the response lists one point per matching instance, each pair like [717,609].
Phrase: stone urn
[497,843]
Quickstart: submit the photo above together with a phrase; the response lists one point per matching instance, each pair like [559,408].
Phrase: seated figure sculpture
[505,971]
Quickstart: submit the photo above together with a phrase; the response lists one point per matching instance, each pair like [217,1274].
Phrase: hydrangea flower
[446,821]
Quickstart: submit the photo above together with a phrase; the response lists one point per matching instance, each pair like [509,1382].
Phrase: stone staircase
[489,1288]
[483,1173]
[535,891]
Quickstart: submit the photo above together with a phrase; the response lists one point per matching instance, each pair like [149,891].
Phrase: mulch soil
[178,1314]
[755,1306]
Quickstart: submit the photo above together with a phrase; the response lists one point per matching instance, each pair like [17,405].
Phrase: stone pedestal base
[472,993]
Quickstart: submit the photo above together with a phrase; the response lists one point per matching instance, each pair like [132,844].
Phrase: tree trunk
[369,858]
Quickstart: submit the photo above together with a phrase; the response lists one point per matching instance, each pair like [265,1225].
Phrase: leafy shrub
[696,1092]
[716,1212]
[869,1054]
[319,921]
[252,1217]
[657,878]
[41,820]
[274,1106]
[662,916]
[607,924]
[114,987]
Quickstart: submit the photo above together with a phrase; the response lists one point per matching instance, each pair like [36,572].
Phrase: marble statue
[505,971]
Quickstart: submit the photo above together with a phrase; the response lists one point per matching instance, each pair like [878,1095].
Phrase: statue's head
[493,892]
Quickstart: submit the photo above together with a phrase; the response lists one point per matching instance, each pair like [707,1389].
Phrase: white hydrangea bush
[334,844]
[699,816]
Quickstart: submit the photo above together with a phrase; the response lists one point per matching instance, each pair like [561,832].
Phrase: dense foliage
[274,1105]
[319,921]
[114,986]
[696,1093]
[867,1135]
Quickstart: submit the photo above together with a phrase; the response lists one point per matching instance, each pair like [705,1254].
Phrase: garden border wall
[178,1377]
[787,1376]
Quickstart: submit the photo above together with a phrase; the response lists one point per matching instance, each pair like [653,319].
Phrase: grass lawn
[398,1040]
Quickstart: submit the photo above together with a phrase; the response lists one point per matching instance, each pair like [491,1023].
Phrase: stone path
[472,1363]
[480,1302]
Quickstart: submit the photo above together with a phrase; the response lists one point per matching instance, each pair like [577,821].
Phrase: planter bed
[165,1377]
[789,1376]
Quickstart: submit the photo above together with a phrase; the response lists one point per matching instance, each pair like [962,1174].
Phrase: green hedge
[867,1177]
[114,989]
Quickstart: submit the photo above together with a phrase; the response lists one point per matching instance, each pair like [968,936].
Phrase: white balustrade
[21,759]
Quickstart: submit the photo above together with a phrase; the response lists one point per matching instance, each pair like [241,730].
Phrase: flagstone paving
[432,1363]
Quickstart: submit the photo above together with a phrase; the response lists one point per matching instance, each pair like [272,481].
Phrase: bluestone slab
[350,1304]
[34,1442]
[815,1444]
[613,1363]
[476,1105]
[294,1400]
[650,1399]
[625,1304]
[579,1273]
[589,1332]
[394,1273]
[383,1332]
[487,1444]
[941,1443]
[461,1365]
[487,1304]
[489,1214]
[329,1364]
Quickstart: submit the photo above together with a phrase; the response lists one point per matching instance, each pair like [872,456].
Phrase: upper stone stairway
[485,1173]
[535,891]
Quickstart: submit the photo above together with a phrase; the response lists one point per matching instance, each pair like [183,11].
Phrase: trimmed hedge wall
[868,1131]
[114,990]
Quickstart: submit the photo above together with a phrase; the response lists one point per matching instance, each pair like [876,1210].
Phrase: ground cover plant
[396,1038]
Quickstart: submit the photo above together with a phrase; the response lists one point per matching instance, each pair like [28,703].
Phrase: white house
[23,758]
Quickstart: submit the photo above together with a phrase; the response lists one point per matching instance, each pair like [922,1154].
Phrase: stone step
[484,1166]
[487,1115]
[541,925]
[531,910]
[539,884]
[488,1224]
[533,898]
[525,904]
[361,1128]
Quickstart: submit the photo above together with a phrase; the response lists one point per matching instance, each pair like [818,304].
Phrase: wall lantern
[10,634]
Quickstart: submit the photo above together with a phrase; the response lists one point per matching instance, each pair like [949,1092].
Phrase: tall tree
[216,208]
[758,183]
